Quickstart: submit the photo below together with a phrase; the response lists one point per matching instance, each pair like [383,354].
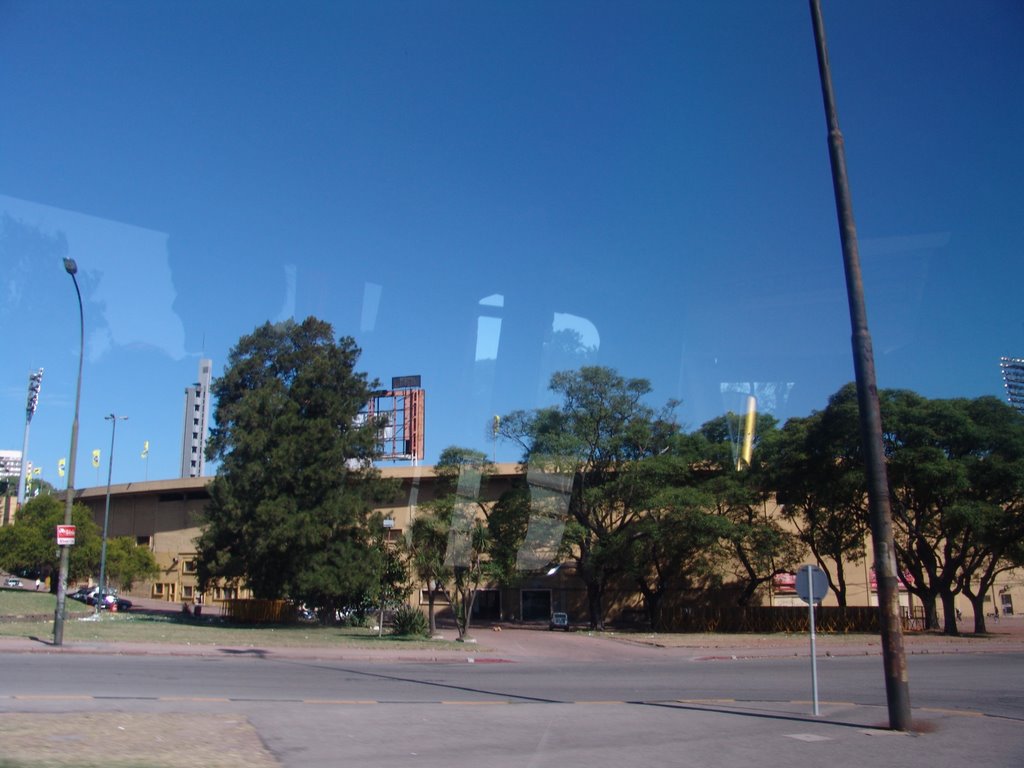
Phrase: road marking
[475,703]
[217,699]
[340,701]
[806,737]
[596,701]
[50,697]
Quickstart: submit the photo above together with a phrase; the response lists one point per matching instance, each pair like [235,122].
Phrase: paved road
[256,709]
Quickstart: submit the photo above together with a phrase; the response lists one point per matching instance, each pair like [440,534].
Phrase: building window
[187,592]
[144,541]
[189,566]
[158,590]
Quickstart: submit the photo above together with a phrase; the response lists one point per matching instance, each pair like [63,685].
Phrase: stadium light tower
[35,381]
[1013,380]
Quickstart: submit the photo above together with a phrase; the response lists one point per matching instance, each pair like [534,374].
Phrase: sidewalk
[519,643]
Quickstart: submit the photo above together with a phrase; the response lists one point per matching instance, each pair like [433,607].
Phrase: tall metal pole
[113,418]
[893,657]
[65,553]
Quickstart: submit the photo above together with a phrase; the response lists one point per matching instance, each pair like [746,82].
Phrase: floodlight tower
[35,381]
[1013,380]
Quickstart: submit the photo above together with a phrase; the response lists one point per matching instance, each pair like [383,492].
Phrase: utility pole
[893,658]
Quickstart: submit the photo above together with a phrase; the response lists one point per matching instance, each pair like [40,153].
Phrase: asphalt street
[496,712]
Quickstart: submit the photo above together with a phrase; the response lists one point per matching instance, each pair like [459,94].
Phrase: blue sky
[450,183]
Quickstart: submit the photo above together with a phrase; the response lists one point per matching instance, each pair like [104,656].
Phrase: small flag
[497,423]
[60,467]
[38,471]
[96,458]
[145,449]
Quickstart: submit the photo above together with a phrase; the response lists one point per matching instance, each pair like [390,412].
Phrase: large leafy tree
[30,545]
[819,480]
[956,476]
[740,494]
[601,426]
[290,508]
[996,513]
[674,548]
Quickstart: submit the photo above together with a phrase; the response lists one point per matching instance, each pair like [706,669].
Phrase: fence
[827,619]
[259,611]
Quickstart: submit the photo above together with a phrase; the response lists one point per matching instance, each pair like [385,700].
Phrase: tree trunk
[594,605]
[652,604]
[931,616]
[949,614]
[978,604]
[431,617]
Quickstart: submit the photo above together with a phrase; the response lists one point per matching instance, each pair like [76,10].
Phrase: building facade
[166,516]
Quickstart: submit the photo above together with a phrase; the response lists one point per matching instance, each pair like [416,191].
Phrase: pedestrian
[959,615]
[38,583]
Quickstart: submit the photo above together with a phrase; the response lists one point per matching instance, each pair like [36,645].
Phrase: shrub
[409,622]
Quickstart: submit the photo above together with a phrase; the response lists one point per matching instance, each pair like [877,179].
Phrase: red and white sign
[65,535]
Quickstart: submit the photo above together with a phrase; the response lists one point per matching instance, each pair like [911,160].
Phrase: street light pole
[113,419]
[65,553]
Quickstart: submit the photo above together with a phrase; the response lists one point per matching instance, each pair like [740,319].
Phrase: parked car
[559,620]
[107,601]
[82,594]
[12,582]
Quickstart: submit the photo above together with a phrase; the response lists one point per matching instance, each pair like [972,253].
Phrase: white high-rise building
[197,419]
[10,463]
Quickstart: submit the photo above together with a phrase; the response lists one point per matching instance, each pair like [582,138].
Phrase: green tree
[30,545]
[956,477]
[128,563]
[673,549]
[760,547]
[818,476]
[426,547]
[457,516]
[601,426]
[290,508]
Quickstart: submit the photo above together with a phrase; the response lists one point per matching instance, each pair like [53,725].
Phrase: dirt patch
[129,740]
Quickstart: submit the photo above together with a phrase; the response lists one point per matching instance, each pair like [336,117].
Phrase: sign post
[812,585]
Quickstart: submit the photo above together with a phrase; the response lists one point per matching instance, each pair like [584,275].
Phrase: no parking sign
[65,535]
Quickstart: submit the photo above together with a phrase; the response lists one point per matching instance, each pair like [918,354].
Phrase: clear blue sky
[653,175]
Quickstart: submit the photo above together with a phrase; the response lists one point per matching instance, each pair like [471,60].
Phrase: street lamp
[65,553]
[113,419]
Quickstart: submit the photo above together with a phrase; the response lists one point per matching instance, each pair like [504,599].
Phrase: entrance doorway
[536,604]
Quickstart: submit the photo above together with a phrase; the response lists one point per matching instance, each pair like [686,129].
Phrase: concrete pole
[893,657]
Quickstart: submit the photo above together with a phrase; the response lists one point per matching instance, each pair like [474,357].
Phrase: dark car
[82,594]
[111,601]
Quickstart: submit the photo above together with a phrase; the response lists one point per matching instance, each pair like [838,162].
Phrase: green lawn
[82,625]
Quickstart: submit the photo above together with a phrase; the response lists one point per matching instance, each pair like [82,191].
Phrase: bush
[409,622]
